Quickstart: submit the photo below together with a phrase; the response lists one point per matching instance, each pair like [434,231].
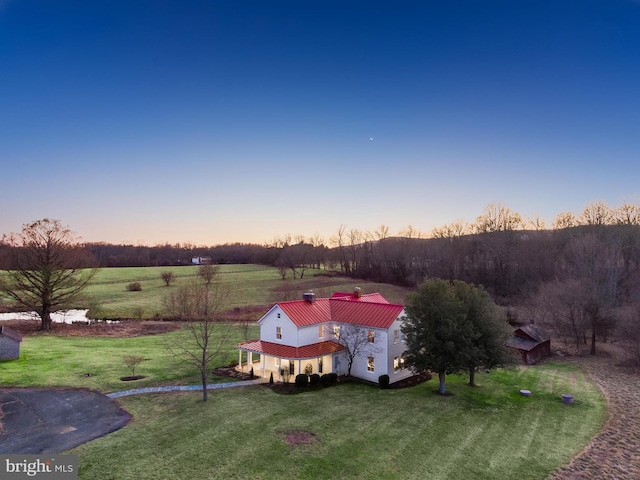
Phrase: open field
[249,285]
[489,432]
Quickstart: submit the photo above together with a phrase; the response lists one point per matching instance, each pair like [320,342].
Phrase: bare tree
[562,310]
[564,220]
[282,268]
[132,362]
[339,242]
[381,233]
[498,218]
[627,214]
[208,273]
[598,265]
[356,238]
[356,340]
[168,277]
[629,319]
[596,213]
[48,268]
[319,250]
[411,232]
[204,336]
[452,230]
[536,223]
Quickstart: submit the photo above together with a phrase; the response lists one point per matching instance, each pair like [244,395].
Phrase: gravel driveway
[613,454]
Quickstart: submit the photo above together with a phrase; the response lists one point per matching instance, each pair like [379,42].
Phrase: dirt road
[613,454]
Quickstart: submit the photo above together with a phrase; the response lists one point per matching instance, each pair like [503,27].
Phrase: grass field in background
[249,285]
[488,432]
[59,361]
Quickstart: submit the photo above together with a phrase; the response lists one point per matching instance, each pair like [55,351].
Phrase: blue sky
[211,122]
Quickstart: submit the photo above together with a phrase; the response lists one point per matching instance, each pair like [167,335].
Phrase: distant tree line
[109,255]
[581,276]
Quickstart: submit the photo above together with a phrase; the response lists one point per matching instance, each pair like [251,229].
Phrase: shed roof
[8,332]
[534,332]
[522,343]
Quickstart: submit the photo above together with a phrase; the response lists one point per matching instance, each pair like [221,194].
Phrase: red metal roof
[377,315]
[303,313]
[371,310]
[287,351]
[364,298]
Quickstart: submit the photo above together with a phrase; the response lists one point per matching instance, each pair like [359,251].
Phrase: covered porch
[284,361]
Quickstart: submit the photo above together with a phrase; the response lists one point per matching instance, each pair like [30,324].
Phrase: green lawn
[489,432]
[249,285]
[49,360]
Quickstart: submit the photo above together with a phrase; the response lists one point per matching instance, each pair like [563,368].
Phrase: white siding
[309,335]
[293,336]
[269,324]
[360,368]
[396,350]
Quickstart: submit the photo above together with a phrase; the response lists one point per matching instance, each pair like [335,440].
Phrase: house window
[371,364]
[396,336]
[403,337]
[320,365]
[371,336]
[336,331]
[278,315]
[292,367]
[319,331]
[396,364]
[279,333]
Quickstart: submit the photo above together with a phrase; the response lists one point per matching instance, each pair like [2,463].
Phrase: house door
[336,365]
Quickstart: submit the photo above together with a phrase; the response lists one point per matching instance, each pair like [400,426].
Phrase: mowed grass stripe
[363,432]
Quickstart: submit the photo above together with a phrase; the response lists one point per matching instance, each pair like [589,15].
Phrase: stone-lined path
[614,453]
[180,388]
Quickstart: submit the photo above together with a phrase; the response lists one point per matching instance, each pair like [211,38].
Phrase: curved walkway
[182,388]
[613,453]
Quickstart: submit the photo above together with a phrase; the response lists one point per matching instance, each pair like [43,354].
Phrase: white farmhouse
[310,335]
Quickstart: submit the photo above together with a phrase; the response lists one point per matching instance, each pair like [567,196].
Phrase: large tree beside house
[451,327]
[48,269]
[491,329]
[438,333]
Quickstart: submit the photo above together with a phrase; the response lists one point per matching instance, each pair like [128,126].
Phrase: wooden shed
[532,342]
[9,343]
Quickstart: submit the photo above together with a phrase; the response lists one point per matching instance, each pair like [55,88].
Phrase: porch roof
[286,351]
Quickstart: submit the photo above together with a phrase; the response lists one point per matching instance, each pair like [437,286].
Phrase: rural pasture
[249,286]
[350,430]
